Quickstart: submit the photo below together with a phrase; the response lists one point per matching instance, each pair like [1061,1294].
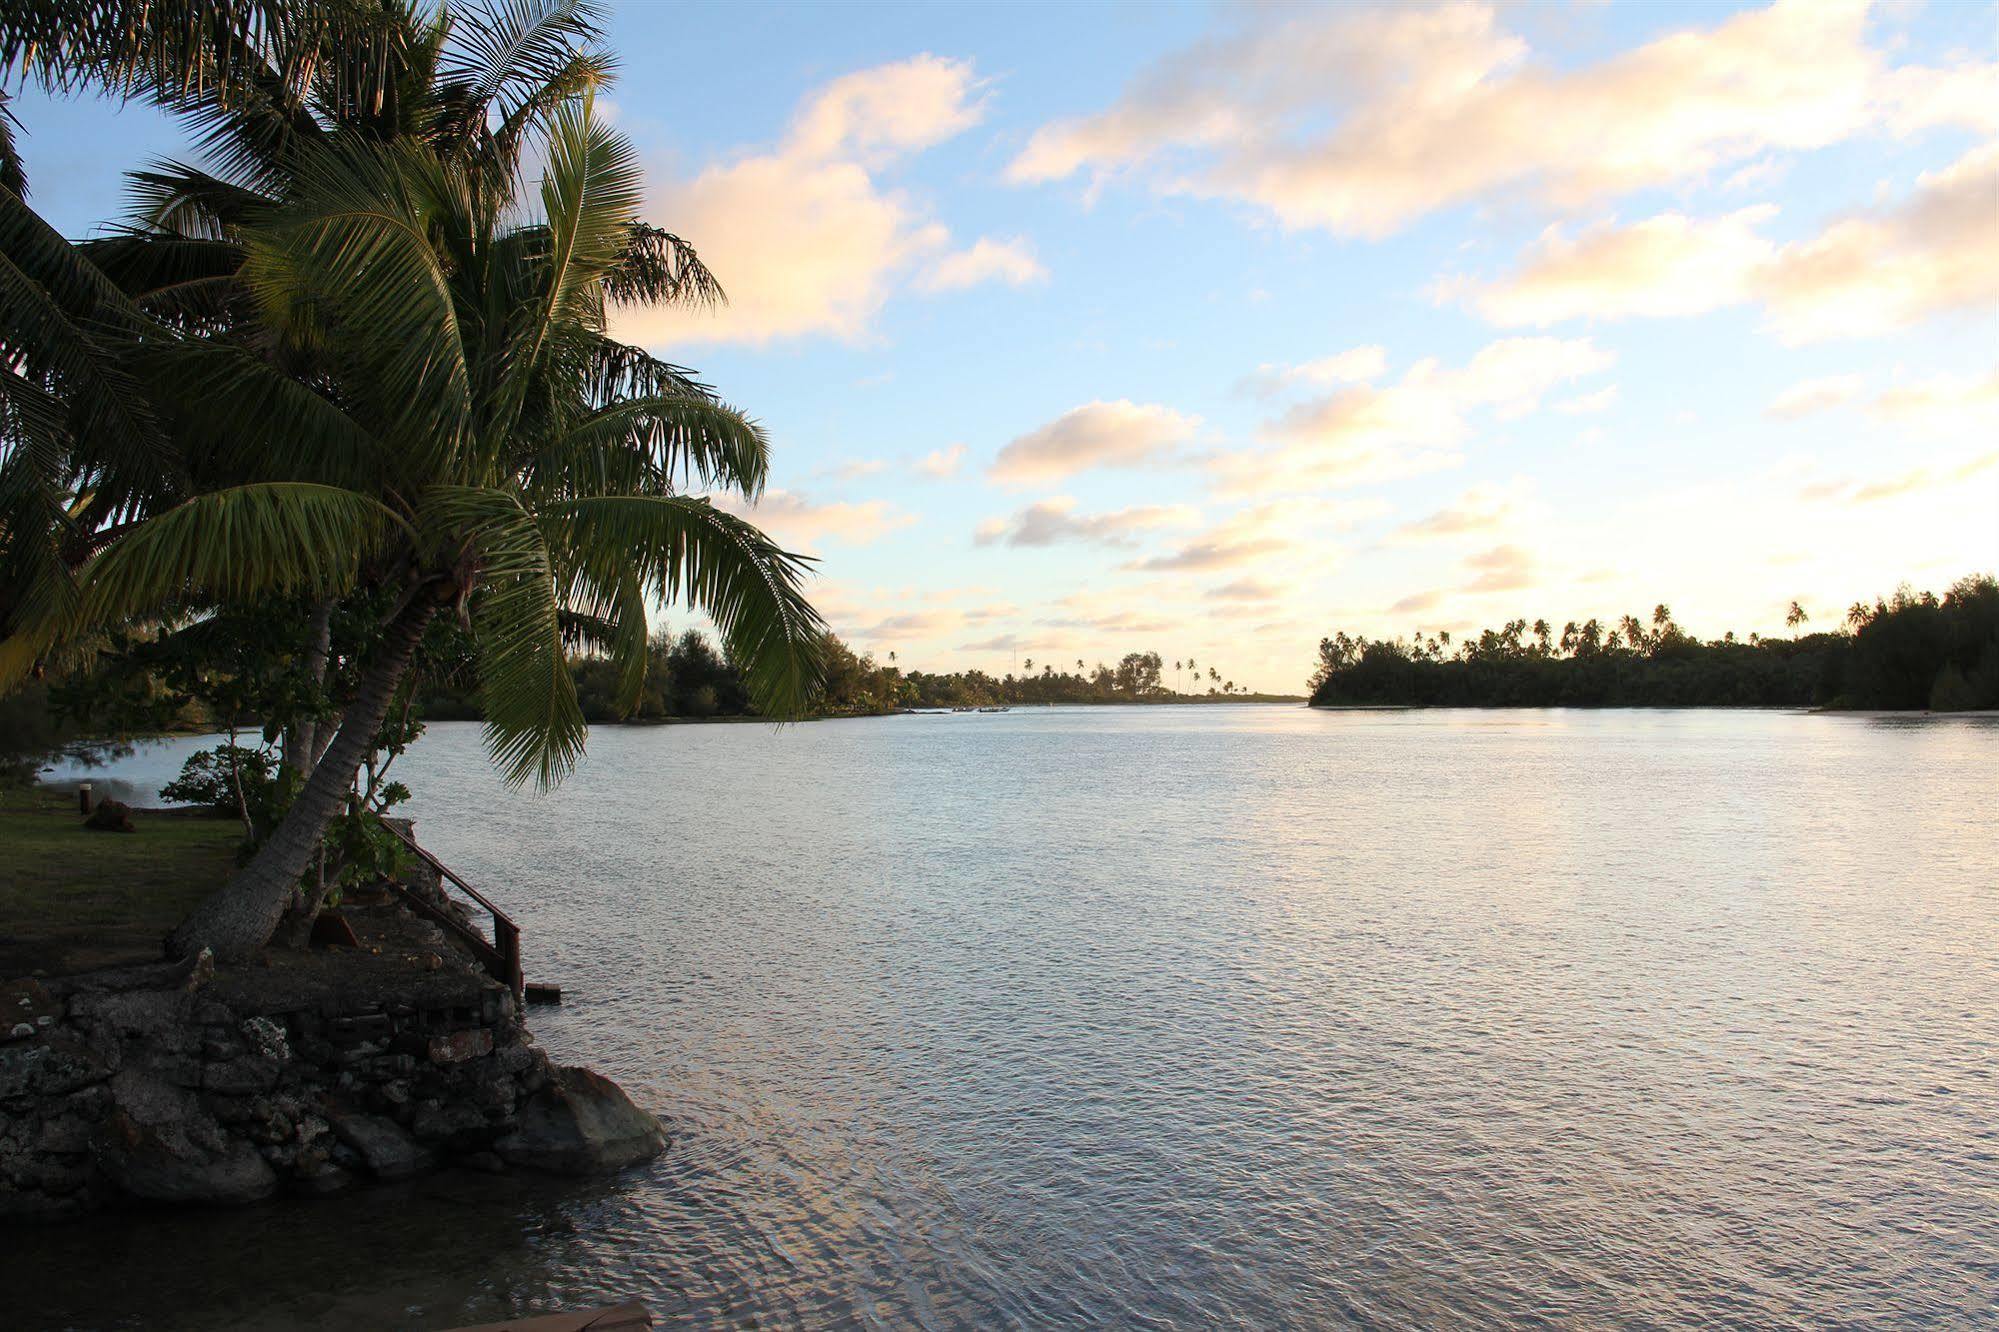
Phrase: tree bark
[303,745]
[239,919]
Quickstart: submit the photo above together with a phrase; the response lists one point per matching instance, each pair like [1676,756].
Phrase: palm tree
[485,451]
[1795,616]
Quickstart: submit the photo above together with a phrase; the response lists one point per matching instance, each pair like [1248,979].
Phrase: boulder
[111,816]
[159,1144]
[53,1066]
[385,1148]
[581,1123]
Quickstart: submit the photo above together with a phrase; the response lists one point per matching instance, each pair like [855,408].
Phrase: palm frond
[238,544]
[534,725]
[353,250]
[690,552]
[241,419]
[707,443]
[509,56]
[659,268]
[63,330]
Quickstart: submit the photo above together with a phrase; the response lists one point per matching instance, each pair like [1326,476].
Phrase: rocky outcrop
[581,1123]
[111,816]
[176,1084]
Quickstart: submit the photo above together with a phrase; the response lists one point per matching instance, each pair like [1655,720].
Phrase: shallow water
[1217,1017]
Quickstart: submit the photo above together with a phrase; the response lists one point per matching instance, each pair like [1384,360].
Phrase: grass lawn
[71,899]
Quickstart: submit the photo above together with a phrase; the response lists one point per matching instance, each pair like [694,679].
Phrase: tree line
[1908,651]
[689,678]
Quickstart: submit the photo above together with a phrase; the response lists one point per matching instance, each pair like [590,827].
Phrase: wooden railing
[501,955]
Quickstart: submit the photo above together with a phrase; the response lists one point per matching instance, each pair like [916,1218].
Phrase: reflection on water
[1238,1016]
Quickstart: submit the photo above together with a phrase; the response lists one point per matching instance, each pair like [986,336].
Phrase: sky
[1210,331]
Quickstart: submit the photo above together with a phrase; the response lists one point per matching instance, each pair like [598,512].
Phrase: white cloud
[1852,491]
[1055,521]
[1097,434]
[1934,253]
[1664,266]
[803,237]
[1872,272]
[1262,532]
[940,464]
[1246,589]
[1360,121]
[1814,395]
[1940,404]
[795,521]
[1347,367]
[1588,404]
[988,260]
[1500,569]
[1366,433]
[1483,508]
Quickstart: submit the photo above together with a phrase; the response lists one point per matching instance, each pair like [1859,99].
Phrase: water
[1205,1017]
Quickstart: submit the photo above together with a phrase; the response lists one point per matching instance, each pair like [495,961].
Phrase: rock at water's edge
[581,1123]
[384,1148]
[181,1161]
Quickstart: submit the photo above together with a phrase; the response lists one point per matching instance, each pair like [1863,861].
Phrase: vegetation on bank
[1909,651]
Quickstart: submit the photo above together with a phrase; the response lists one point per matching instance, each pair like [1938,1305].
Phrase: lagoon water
[1202,1017]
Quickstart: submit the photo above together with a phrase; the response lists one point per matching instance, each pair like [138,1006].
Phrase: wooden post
[83,798]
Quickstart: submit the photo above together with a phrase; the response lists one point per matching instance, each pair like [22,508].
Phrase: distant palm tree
[1795,616]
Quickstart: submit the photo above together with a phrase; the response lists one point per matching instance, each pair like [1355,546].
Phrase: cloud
[1500,569]
[854,469]
[1000,643]
[1097,434]
[1365,433]
[794,521]
[1812,396]
[988,260]
[1361,121]
[1589,403]
[803,237]
[1347,367]
[940,464]
[1663,266]
[1416,601]
[1934,253]
[879,114]
[1245,589]
[1941,404]
[1259,533]
[1865,274]
[1483,508]
[1055,521]
[1851,491]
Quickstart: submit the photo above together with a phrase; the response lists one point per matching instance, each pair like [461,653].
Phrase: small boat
[999,709]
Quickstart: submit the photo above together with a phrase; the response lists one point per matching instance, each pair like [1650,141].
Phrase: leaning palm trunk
[240,919]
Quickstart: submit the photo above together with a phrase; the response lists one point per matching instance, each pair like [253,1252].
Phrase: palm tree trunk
[238,919]
[302,744]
